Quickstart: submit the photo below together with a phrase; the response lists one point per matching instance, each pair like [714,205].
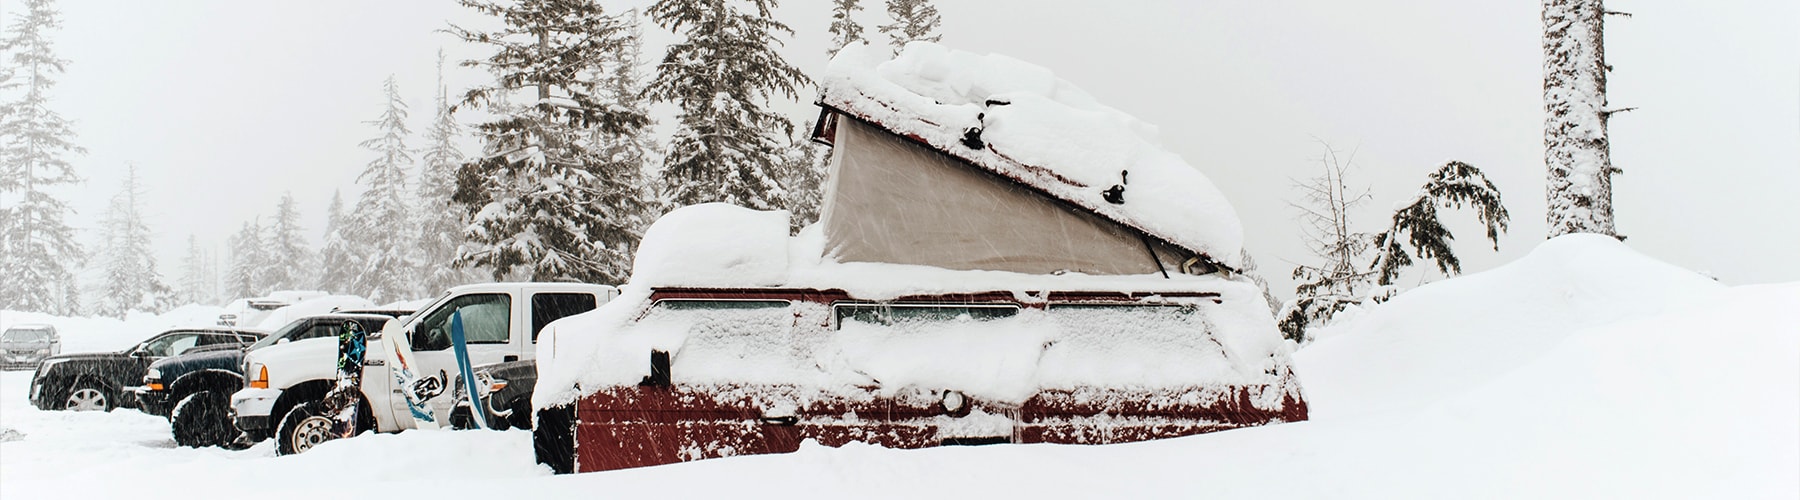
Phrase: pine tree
[1453,185]
[549,202]
[384,249]
[914,20]
[196,283]
[728,145]
[338,262]
[248,260]
[1576,148]
[803,166]
[1344,282]
[440,223]
[844,28]
[129,281]
[290,265]
[38,251]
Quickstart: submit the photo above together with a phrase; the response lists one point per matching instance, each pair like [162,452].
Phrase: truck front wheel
[302,428]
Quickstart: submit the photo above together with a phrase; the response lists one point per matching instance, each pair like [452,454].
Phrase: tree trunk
[1575,144]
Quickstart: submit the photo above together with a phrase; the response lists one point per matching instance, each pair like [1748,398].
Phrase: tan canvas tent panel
[889,199]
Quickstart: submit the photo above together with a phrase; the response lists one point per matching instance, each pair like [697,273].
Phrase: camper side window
[730,341]
[890,314]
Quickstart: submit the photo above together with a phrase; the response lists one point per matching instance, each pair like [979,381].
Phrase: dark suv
[94,381]
[194,389]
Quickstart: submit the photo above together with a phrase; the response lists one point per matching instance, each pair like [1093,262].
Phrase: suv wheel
[87,396]
[304,427]
[200,420]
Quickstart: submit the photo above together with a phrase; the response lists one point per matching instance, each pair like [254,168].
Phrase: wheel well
[313,390]
[205,380]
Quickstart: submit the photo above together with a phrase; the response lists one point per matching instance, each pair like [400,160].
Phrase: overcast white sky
[225,105]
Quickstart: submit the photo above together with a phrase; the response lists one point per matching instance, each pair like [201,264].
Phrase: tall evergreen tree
[196,283]
[38,250]
[728,145]
[440,223]
[385,250]
[546,203]
[844,28]
[803,166]
[914,20]
[129,281]
[290,265]
[248,260]
[338,260]
[1576,148]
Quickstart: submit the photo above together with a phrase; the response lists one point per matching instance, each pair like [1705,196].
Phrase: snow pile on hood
[714,244]
[1449,336]
[1037,129]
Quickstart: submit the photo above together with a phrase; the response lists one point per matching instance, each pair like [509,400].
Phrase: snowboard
[415,389]
[342,402]
[459,344]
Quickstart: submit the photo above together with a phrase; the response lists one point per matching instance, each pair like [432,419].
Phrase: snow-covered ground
[1584,370]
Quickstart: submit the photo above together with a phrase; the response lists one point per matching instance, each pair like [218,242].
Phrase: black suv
[93,381]
[194,389]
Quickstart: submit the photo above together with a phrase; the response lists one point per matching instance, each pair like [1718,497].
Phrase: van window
[731,341]
[548,307]
[1154,345]
[889,314]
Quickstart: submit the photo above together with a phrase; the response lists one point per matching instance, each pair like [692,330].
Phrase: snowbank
[110,334]
[1038,129]
[1449,336]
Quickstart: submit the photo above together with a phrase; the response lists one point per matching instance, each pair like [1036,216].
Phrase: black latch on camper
[1116,194]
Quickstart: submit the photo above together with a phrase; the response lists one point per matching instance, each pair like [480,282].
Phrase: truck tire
[200,420]
[304,427]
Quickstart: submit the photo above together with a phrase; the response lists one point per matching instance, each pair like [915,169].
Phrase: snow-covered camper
[1000,259]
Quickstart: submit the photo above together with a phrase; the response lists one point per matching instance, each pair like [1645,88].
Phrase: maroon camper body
[661,422]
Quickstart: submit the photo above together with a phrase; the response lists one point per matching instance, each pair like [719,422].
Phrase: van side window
[548,307]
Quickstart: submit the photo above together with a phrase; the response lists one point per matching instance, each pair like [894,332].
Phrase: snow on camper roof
[1020,121]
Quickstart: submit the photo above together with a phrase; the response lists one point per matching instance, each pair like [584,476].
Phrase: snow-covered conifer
[1344,281]
[440,227]
[547,202]
[383,244]
[803,167]
[38,249]
[248,260]
[338,262]
[196,283]
[720,76]
[129,281]
[1416,222]
[844,28]
[290,265]
[1576,148]
[914,20]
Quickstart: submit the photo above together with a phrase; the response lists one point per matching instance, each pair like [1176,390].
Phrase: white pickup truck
[284,383]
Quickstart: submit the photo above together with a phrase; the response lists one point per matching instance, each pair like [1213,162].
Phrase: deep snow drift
[1583,370]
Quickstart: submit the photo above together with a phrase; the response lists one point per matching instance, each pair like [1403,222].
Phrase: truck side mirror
[659,370]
